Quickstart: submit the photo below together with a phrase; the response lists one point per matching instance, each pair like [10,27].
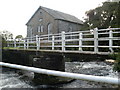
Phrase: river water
[11,79]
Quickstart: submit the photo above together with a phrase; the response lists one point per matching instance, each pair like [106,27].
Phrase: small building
[48,21]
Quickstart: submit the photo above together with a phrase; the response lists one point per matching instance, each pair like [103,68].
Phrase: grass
[11,48]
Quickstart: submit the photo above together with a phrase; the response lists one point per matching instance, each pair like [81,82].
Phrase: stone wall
[36,59]
[68,26]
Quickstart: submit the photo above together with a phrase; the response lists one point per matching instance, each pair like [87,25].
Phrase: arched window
[40,28]
[40,20]
[70,29]
[49,27]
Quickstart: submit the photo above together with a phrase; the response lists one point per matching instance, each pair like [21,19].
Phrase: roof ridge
[62,15]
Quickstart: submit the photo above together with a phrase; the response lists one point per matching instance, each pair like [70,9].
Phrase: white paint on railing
[64,74]
[110,40]
[27,43]
[79,37]
[24,44]
[37,42]
[96,40]
[80,41]
[63,41]
[14,43]
[53,43]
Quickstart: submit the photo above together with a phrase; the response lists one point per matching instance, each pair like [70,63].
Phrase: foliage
[3,42]
[6,35]
[113,56]
[107,15]
[67,59]
[117,63]
[19,37]
[116,57]
[11,48]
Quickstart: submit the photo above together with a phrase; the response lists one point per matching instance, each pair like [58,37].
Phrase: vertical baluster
[96,40]
[80,41]
[53,44]
[37,42]
[63,41]
[15,43]
[27,43]
[24,44]
[110,40]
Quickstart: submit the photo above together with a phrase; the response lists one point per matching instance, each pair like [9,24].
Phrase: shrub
[4,43]
[117,63]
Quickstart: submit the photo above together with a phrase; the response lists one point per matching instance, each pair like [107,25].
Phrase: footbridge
[43,52]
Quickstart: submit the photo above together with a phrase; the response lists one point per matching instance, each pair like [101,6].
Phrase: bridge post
[7,43]
[37,42]
[14,43]
[63,41]
[53,44]
[110,40]
[24,44]
[27,43]
[80,41]
[96,40]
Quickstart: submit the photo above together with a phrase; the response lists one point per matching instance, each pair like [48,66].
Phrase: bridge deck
[63,52]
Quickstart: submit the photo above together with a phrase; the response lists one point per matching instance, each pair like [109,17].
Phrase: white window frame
[39,29]
[49,27]
[42,28]
[40,20]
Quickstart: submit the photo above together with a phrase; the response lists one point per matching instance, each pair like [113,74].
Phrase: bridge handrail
[108,29]
[78,39]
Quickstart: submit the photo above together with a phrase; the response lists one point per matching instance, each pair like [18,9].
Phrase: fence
[102,40]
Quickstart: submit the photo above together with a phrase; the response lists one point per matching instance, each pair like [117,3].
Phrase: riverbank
[91,68]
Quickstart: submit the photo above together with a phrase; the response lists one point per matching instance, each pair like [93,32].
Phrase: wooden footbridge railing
[92,41]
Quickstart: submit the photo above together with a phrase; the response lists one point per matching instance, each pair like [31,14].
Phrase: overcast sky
[14,14]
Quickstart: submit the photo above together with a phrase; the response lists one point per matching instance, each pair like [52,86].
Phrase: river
[10,79]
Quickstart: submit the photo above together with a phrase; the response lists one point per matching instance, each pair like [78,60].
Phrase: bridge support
[52,62]
[39,60]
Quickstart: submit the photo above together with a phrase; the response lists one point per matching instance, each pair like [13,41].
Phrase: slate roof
[60,15]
